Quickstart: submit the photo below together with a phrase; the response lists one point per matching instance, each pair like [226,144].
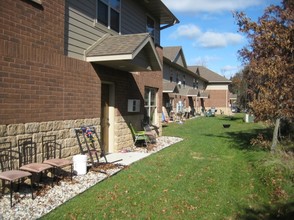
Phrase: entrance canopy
[132,53]
[169,87]
[193,92]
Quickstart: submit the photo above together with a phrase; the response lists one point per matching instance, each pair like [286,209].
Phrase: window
[150,27]
[171,77]
[184,81]
[150,103]
[195,84]
[108,13]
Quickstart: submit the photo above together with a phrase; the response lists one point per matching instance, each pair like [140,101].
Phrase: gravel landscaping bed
[49,198]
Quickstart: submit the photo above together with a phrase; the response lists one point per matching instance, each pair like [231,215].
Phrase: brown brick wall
[33,25]
[131,86]
[217,98]
[37,82]
[44,87]
[153,79]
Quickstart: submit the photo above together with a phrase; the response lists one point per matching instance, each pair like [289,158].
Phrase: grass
[211,174]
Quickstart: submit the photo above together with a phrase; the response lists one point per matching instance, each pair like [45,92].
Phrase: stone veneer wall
[64,131]
[124,137]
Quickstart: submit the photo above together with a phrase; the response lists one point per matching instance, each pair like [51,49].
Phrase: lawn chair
[150,132]
[51,151]
[8,171]
[139,136]
[28,158]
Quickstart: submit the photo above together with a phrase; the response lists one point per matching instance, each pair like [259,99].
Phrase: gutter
[169,25]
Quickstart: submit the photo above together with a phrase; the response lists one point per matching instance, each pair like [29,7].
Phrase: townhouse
[191,89]
[216,94]
[180,85]
[67,64]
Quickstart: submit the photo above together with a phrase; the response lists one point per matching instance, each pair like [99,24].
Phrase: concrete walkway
[125,158]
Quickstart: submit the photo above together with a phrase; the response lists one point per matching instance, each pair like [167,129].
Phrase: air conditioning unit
[133,105]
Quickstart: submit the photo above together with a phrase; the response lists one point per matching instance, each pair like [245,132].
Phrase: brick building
[67,64]
[216,94]
[192,88]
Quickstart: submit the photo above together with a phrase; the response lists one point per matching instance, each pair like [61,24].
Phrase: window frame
[171,77]
[151,109]
[110,11]
[195,83]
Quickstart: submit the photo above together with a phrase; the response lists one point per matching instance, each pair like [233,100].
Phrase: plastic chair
[139,135]
[8,171]
[28,158]
[51,151]
[150,133]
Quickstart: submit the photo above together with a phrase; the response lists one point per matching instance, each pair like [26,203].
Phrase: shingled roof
[209,75]
[132,52]
[173,54]
[169,87]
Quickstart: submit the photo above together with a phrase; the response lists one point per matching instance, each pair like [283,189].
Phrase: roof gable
[169,87]
[133,52]
[175,55]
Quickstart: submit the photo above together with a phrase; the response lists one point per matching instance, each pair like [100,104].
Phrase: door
[105,117]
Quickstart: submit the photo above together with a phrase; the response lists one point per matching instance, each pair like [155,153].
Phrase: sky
[208,32]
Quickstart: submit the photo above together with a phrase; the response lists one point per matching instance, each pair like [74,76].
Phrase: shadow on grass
[267,212]
[231,118]
[241,140]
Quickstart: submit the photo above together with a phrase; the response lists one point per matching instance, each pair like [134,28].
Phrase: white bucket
[80,164]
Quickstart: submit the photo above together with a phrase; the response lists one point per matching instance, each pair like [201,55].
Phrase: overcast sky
[208,33]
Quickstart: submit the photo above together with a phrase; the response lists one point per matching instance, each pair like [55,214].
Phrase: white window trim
[148,107]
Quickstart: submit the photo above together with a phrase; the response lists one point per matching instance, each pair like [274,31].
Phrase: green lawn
[211,174]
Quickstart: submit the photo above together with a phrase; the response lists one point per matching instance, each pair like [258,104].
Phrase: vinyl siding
[217,87]
[134,19]
[188,78]
[81,29]
[180,60]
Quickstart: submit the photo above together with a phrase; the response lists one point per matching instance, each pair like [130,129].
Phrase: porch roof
[132,53]
[169,87]
[193,92]
[188,92]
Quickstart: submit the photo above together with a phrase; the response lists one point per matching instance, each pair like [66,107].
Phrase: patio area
[50,198]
